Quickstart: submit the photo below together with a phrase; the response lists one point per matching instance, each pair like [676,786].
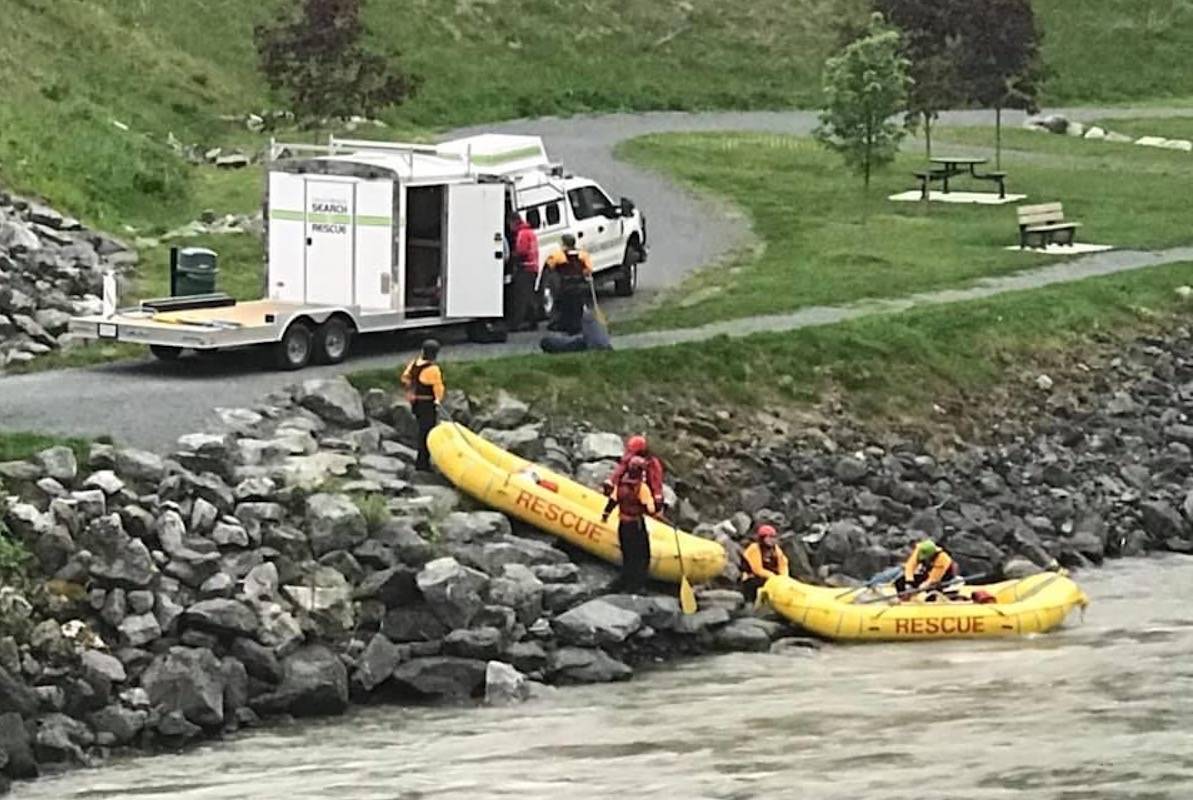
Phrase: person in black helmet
[573,265]
[424,389]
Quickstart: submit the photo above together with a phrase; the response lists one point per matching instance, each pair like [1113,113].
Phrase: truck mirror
[627,206]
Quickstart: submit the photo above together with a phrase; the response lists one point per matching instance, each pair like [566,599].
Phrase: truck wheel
[333,340]
[626,281]
[294,350]
[165,352]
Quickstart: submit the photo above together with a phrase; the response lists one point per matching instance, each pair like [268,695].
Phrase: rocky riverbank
[51,268]
[290,562]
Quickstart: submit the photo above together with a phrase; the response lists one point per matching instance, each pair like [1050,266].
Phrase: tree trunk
[998,137]
[927,135]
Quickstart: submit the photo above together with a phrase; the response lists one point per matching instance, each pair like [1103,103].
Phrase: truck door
[374,245]
[473,280]
[597,231]
[287,238]
[330,208]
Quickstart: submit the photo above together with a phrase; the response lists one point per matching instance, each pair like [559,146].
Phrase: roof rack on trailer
[336,146]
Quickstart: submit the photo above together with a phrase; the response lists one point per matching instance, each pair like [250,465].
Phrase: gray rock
[413,624]
[139,466]
[1017,567]
[105,480]
[226,534]
[139,630]
[14,742]
[480,643]
[1161,520]
[54,548]
[659,612]
[526,441]
[52,320]
[174,726]
[279,629]
[188,681]
[60,739]
[122,724]
[600,447]
[453,592]
[393,587]
[59,463]
[596,622]
[508,412]
[841,539]
[441,677]
[334,522]
[90,503]
[236,685]
[222,616]
[140,602]
[203,517]
[96,664]
[742,635]
[587,665]
[851,471]
[504,684]
[315,683]
[461,527]
[117,559]
[377,663]
[333,399]
[259,661]
[326,597]
[15,696]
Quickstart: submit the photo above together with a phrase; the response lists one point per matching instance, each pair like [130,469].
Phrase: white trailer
[367,237]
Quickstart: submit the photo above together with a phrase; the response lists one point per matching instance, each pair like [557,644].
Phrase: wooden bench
[1045,223]
[925,177]
[998,177]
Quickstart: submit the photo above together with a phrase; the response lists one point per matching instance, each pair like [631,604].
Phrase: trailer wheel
[165,352]
[294,350]
[626,281]
[333,340]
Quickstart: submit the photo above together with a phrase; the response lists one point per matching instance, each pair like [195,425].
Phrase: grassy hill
[90,89]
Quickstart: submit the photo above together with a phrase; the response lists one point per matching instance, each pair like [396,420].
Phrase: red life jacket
[629,499]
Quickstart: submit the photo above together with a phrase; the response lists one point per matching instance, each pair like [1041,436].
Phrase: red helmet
[636,468]
[766,532]
[636,445]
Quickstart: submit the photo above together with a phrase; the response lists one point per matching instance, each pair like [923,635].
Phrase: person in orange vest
[633,501]
[927,566]
[761,560]
[574,268]
[424,389]
[637,446]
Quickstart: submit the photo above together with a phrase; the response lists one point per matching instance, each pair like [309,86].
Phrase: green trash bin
[193,270]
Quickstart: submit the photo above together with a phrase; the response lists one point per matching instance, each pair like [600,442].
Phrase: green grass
[807,210]
[888,364]
[19,445]
[1168,127]
[241,267]
[74,68]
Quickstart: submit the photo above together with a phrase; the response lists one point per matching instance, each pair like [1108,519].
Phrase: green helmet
[926,549]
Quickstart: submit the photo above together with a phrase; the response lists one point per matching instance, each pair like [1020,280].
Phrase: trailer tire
[294,349]
[333,340]
[626,282]
[165,352]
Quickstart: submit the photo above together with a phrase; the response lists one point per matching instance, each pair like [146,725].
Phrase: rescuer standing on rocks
[637,446]
[424,389]
[633,501]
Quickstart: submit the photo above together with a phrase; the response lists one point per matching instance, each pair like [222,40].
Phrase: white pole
[110,296]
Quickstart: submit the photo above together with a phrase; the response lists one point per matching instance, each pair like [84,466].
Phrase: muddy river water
[1102,709]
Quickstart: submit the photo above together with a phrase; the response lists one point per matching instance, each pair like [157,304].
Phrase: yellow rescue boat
[1036,604]
[556,504]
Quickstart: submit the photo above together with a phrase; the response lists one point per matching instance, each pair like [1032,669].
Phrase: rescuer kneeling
[633,501]
[928,566]
[761,560]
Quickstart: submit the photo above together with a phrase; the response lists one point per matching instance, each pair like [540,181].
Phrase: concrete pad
[971,198]
[1075,249]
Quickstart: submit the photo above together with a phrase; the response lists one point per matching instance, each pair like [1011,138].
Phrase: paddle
[936,587]
[596,307]
[876,580]
[687,595]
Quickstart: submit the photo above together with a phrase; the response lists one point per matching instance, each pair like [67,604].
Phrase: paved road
[150,404]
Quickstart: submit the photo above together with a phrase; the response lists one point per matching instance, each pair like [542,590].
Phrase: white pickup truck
[366,237]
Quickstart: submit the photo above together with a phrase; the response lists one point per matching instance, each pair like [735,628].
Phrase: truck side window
[533,219]
[581,203]
[553,214]
[597,200]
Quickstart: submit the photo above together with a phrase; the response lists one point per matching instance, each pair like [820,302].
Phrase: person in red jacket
[636,446]
[633,501]
[525,274]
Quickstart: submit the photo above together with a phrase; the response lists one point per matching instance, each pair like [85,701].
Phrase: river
[1102,709]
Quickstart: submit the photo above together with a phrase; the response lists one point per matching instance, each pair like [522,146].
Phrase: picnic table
[945,167]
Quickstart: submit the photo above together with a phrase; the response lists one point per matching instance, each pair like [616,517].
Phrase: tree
[317,59]
[865,86]
[930,44]
[999,59]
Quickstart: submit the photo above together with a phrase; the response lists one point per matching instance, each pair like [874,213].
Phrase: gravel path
[150,404]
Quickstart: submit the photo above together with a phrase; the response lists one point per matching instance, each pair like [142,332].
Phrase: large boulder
[415,623]
[743,635]
[259,661]
[326,597]
[117,559]
[463,527]
[974,554]
[222,616]
[333,399]
[508,412]
[334,522]
[600,447]
[15,696]
[586,665]
[441,677]
[377,663]
[483,643]
[14,743]
[504,684]
[393,587]
[189,681]
[1161,520]
[59,463]
[315,683]
[454,592]
[119,724]
[841,539]
[596,622]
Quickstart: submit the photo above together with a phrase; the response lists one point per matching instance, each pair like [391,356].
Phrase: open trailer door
[475,267]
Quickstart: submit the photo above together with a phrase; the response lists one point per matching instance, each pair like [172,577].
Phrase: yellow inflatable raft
[1031,605]
[559,505]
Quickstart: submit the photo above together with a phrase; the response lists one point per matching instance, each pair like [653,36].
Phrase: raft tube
[1037,604]
[557,504]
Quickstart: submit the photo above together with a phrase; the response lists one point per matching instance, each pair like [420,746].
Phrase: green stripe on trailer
[330,219]
[509,155]
[291,216]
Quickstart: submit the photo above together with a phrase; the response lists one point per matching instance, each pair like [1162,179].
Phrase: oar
[596,307]
[876,580]
[687,595]
[936,587]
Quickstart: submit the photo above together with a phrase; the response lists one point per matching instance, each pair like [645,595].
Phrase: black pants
[635,555]
[521,299]
[424,414]
[750,587]
[571,306]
